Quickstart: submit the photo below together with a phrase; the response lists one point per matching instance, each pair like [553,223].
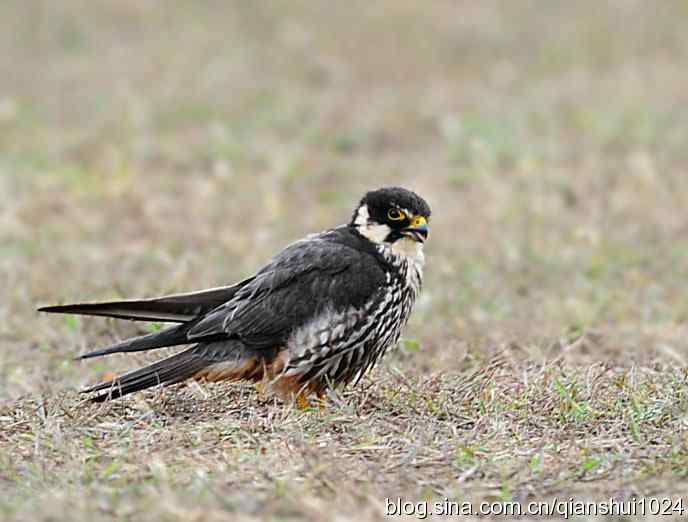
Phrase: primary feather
[177,308]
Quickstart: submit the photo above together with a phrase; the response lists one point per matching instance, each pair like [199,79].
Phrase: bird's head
[394,216]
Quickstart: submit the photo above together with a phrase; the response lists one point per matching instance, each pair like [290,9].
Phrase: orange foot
[302,401]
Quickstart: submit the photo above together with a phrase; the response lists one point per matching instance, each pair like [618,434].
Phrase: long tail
[172,370]
[224,360]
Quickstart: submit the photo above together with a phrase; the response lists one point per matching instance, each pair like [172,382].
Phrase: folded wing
[296,287]
[177,308]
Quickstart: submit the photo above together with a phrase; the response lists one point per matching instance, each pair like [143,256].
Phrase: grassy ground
[150,147]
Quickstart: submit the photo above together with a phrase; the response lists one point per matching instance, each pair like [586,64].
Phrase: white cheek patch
[362,216]
[372,231]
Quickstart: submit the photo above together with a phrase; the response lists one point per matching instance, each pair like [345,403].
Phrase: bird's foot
[302,401]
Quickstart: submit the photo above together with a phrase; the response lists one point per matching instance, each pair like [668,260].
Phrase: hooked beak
[417,230]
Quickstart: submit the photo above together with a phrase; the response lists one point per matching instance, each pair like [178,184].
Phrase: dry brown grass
[148,148]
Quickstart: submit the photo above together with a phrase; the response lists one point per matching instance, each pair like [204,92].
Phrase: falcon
[319,314]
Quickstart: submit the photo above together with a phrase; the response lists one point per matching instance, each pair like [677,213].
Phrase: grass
[148,149]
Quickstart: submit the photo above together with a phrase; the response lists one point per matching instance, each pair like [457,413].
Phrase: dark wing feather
[173,336]
[168,337]
[301,282]
[177,308]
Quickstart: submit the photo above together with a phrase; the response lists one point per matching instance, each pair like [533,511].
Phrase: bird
[318,315]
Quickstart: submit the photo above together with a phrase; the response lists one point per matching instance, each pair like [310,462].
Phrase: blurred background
[150,147]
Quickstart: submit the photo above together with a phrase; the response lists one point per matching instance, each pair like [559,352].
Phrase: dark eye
[394,214]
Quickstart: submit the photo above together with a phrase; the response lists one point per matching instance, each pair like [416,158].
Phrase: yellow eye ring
[395,214]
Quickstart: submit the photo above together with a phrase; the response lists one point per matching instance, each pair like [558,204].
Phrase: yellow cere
[418,221]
